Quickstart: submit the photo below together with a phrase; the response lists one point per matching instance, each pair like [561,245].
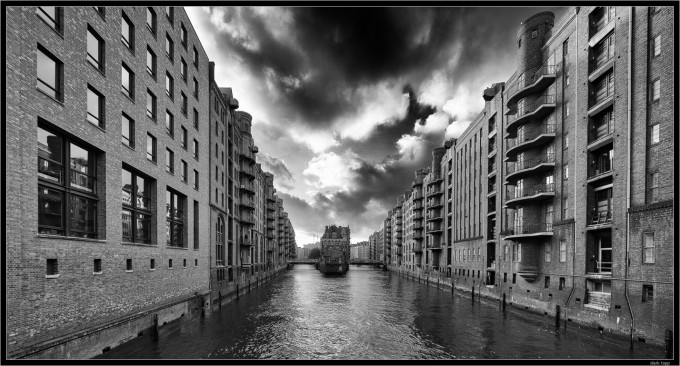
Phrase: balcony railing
[531,134]
[600,218]
[599,167]
[417,248]
[513,167]
[491,233]
[530,191]
[526,81]
[248,187]
[528,108]
[529,228]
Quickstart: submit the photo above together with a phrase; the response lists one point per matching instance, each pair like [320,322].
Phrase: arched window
[219,241]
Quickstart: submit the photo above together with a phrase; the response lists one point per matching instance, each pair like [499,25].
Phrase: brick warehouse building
[542,211]
[82,280]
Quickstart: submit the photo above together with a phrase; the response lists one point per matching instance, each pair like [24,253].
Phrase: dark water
[370,314]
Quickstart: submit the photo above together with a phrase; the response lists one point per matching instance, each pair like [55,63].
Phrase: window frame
[131,131]
[153,114]
[169,89]
[183,36]
[58,75]
[656,46]
[196,180]
[653,89]
[183,138]
[58,19]
[172,218]
[647,293]
[135,209]
[184,103]
[195,57]
[101,103]
[153,71]
[170,123]
[169,48]
[131,80]
[184,69]
[169,161]
[195,149]
[69,192]
[153,27]
[129,44]
[645,247]
[563,251]
[184,173]
[154,147]
[100,64]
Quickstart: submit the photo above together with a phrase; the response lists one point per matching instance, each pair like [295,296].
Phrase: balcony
[247,219]
[417,226]
[528,272]
[271,207]
[434,192]
[536,192]
[246,242]
[417,248]
[397,251]
[527,85]
[436,245]
[418,236]
[417,216]
[541,107]
[517,169]
[434,228]
[530,138]
[537,229]
[436,178]
[247,203]
[602,96]
[492,168]
[491,233]
[600,168]
[247,171]
[433,203]
[248,188]
[271,198]
[434,216]
[247,154]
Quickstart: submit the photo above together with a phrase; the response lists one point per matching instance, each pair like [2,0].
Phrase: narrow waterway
[371,314]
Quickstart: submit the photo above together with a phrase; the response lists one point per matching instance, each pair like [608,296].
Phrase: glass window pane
[47,74]
[127,187]
[49,15]
[83,213]
[93,107]
[50,210]
[143,227]
[127,225]
[49,151]
[126,31]
[127,126]
[125,80]
[82,168]
[93,49]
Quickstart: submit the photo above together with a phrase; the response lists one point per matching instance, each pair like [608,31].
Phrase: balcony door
[604,254]
[519,220]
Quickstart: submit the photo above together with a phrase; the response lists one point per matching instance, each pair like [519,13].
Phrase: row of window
[68,196]
[52,266]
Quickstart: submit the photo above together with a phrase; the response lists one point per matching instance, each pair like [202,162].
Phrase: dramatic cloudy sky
[348,102]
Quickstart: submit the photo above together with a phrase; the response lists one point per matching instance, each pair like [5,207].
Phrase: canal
[371,314]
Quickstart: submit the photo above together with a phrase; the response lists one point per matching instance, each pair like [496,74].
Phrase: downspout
[628,171]
[573,225]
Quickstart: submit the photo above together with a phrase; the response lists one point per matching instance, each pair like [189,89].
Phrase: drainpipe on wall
[628,171]
[573,226]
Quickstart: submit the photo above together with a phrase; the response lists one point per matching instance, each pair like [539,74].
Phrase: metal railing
[600,166]
[529,163]
[600,217]
[530,134]
[532,107]
[530,191]
[525,81]
[528,228]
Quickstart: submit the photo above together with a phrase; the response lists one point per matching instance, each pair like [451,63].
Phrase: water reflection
[370,314]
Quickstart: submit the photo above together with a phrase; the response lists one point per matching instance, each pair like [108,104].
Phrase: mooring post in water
[669,343]
[473,292]
[154,327]
[504,301]
[557,316]
[237,290]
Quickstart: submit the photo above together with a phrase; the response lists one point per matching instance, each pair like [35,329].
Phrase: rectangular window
[565,172]
[547,282]
[195,59]
[183,138]
[184,103]
[52,16]
[548,252]
[152,264]
[565,207]
[151,62]
[514,278]
[67,180]
[183,36]
[563,283]
[195,150]
[196,88]
[183,69]
[184,171]
[169,161]
[195,179]
[95,107]
[150,147]
[169,123]
[52,267]
[128,265]
[174,228]
[128,131]
[95,49]
[563,251]
[127,81]
[150,105]
[169,85]
[136,197]
[50,74]
[196,119]
[656,90]
[127,32]
[170,14]
[654,134]
[97,266]
[656,46]
[169,47]
[151,20]
[196,221]
[653,186]
[648,248]
[169,263]
[566,109]
[647,293]
[100,10]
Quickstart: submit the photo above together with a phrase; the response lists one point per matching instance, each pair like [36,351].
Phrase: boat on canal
[334,259]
